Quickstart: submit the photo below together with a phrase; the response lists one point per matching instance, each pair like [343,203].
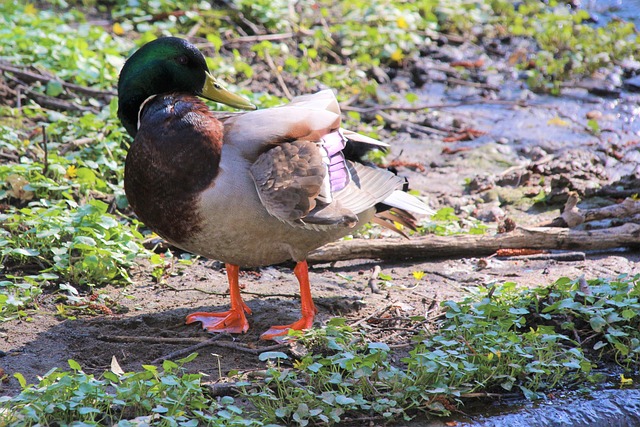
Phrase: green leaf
[597,323]
[599,345]
[25,252]
[21,380]
[54,88]
[74,365]
[379,346]
[341,399]
[272,355]
[628,314]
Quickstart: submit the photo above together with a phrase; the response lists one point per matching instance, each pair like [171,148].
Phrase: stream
[512,132]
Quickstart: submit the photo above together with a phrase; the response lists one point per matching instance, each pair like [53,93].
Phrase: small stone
[490,214]
[594,115]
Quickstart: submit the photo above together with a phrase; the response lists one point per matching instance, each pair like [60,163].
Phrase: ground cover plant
[65,227]
[500,340]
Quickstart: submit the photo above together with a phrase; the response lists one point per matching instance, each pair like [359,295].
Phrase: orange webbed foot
[232,321]
[279,331]
[309,310]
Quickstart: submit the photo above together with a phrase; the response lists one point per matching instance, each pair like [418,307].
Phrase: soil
[486,147]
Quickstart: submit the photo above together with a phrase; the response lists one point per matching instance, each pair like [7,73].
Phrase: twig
[273,67]
[379,107]
[223,389]
[372,316]
[153,340]
[54,103]
[77,143]
[561,256]
[492,395]
[245,349]
[45,147]
[471,84]
[573,216]
[10,156]
[268,37]
[412,126]
[31,76]
[373,278]
[187,350]
[198,343]
[226,294]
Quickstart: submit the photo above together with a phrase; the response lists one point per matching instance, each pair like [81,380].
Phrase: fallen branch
[560,256]
[268,37]
[197,343]
[412,126]
[152,340]
[226,293]
[429,247]
[186,351]
[574,216]
[345,106]
[30,76]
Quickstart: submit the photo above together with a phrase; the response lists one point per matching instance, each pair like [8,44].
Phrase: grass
[66,226]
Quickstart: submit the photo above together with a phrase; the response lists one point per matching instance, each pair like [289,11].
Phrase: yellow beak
[214,91]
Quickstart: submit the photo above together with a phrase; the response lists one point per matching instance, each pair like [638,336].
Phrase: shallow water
[603,408]
[611,408]
[604,10]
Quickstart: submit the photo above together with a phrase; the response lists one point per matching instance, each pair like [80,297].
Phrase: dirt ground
[527,143]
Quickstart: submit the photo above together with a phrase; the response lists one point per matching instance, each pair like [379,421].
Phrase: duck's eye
[182,60]
[217,86]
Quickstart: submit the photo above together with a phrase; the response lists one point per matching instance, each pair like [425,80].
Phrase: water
[604,408]
[605,10]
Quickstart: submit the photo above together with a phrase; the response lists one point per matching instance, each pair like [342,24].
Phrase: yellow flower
[557,121]
[418,275]
[402,23]
[117,29]
[397,55]
[625,381]
[72,172]
[30,9]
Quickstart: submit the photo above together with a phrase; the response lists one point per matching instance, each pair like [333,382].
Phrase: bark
[429,247]
[573,216]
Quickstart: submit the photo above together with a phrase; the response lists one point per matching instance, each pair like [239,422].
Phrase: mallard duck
[249,189]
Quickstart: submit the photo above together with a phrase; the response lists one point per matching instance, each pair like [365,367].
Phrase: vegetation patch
[503,340]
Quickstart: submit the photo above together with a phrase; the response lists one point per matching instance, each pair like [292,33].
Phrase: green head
[168,64]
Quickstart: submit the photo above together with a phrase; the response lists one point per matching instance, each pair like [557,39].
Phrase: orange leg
[232,321]
[309,309]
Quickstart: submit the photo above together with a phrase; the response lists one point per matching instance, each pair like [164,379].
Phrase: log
[430,247]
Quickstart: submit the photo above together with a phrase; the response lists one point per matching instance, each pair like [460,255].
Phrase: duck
[252,188]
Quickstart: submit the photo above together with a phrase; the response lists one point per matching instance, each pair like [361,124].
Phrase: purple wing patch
[334,143]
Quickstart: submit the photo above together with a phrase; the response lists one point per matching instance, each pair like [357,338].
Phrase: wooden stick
[372,280]
[346,106]
[278,75]
[152,340]
[186,351]
[574,216]
[429,247]
[412,126]
[561,256]
[31,76]
[45,147]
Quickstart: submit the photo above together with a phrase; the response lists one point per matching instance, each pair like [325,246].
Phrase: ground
[486,149]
